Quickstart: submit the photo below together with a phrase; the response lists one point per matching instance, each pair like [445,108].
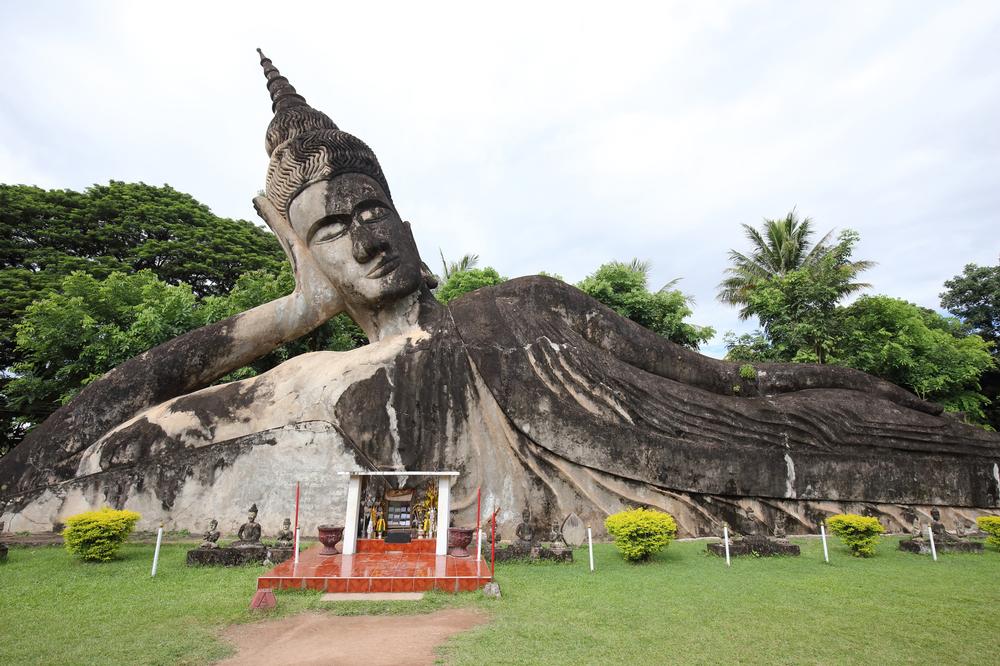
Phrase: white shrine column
[351,520]
[444,514]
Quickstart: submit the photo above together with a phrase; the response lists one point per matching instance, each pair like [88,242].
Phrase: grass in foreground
[686,607]
[683,607]
[56,609]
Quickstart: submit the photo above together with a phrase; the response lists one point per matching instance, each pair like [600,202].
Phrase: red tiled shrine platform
[379,567]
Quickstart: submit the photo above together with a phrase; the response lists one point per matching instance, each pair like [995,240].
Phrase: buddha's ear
[426,274]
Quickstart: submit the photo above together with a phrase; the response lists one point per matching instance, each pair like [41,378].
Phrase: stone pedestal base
[922,546]
[529,551]
[278,555]
[761,546]
[226,557]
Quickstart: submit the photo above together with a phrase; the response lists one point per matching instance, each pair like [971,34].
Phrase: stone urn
[330,536]
[459,539]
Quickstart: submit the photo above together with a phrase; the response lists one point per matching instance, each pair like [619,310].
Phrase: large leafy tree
[47,234]
[974,297]
[780,247]
[916,348]
[798,308]
[624,287]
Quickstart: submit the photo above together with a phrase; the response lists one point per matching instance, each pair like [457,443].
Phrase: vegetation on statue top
[624,287]
[461,282]
[859,533]
[795,291]
[781,248]
[96,536]
[641,533]
[915,348]
[990,525]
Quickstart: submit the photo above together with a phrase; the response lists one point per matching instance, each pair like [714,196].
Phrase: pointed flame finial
[283,94]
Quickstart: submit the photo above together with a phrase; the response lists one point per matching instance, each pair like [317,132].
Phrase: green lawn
[683,607]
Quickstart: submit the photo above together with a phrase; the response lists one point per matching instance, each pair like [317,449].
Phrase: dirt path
[373,640]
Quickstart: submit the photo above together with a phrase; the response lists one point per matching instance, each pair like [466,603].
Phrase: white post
[930,535]
[351,519]
[156,553]
[826,553]
[479,547]
[444,514]
[590,546]
[725,538]
[298,534]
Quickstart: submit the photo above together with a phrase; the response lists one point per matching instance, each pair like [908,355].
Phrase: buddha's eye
[330,230]
[372,213]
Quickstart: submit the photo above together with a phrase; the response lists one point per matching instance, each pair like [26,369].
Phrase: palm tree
[465,263]
[783,246]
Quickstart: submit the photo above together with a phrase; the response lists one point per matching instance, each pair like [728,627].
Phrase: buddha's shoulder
[539,293]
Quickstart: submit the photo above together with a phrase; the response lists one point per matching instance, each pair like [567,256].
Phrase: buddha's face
[286,523]
[358,240]
[251,517]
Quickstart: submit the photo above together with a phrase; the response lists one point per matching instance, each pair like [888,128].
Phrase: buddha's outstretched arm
[640,347]
[187,363]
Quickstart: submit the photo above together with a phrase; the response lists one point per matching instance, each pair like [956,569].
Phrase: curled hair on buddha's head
[306,146]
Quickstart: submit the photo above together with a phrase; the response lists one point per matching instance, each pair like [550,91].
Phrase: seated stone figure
[285,538]
[249,534]
[210,539]
[540,395]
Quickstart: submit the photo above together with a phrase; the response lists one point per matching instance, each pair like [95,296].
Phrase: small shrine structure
[353,515]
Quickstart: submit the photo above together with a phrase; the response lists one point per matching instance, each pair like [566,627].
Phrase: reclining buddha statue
[535,393]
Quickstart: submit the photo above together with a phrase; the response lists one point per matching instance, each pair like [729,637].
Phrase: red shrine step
[390,571]
[379,546]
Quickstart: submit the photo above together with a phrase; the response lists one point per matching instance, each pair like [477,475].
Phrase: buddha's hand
[318,296]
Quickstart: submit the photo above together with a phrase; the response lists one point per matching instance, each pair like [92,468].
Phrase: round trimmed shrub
[990,525]
[639,533]
[859,533]
[96,535]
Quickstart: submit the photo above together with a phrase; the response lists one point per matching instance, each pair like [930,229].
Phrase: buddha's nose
[369,240]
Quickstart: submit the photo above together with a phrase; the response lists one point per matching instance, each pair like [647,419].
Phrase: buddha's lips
[384,267]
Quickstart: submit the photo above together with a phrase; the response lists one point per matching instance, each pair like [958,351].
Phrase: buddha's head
[212,524]
[286,523]
[329,186]
[252,514]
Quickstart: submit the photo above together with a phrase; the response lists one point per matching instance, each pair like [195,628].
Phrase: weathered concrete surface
[509,389]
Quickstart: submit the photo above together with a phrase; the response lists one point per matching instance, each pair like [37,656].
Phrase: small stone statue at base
[780,524]
[525,534]
[249,534]
[211,536]
[944,541]
[285,538]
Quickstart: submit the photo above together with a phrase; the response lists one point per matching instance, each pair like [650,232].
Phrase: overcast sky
[549,138]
